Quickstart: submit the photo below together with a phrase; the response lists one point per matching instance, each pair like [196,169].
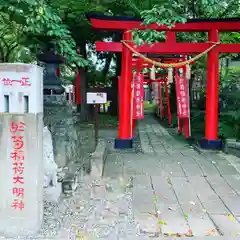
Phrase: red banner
[138,96]
[182,97]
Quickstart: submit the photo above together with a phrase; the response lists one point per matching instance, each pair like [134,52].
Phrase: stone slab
[198,221]
[199,238]
[202,226]
[233,181]
[184,190]
[171,168]
[191,168]
[143,205]
[226,225]
[235,161]
[113,165]
[174,221]
[220,186]
[226,168]
[233,204]
[164,193]
[207,167]
[169,211]
[189,152]
[209,199]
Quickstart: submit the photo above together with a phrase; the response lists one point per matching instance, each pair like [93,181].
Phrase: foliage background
[27,26]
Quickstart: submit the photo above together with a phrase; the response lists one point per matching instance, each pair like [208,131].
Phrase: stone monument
[21,147]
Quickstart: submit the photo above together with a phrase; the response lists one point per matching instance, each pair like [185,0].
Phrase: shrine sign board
[182,97]
[138,96]
[21,174]
[21,149]
[96,98]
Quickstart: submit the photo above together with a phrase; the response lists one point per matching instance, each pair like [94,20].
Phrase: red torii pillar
[211,125]
[124,139]
[78,88]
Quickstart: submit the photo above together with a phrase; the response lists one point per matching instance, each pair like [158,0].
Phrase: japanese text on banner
[138,98]
[17,158]
[182,97]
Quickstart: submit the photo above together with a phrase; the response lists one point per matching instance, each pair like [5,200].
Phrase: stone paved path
[162,189]
[177,191]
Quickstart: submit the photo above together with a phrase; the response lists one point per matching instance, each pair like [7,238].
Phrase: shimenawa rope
[169,65]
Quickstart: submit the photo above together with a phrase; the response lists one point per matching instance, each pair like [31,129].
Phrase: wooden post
[96,108]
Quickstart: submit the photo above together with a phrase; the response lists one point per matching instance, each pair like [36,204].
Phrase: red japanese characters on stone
[7,82]
[17,127]
[18,204]
[18,164]
[18,142]
[18,170]
[18,192]
[17,155]
[25,81]
[18,179]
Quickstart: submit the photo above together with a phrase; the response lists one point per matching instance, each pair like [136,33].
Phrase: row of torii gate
[126,98]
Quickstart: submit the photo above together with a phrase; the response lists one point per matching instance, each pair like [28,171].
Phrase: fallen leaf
[153,214]
[231,217]
[204,210]
[155,198]
[169,180]
[188,234]
[212,232]
[185,216]
[192,203]
[162,222]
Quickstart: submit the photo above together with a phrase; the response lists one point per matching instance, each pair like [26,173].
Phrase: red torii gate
[139,64]
[186,121]
[170,46]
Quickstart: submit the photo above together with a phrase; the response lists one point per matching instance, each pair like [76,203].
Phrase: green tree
[27,21]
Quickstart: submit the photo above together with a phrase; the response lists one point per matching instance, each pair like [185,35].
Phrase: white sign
[96,98]
[21,88]
[21,149]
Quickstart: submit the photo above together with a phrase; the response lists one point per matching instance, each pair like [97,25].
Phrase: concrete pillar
[21,149]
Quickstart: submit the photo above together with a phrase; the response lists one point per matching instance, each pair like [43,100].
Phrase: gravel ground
[99,209]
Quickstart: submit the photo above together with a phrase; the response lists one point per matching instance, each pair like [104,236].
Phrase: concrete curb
[232,147]
[98,159]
